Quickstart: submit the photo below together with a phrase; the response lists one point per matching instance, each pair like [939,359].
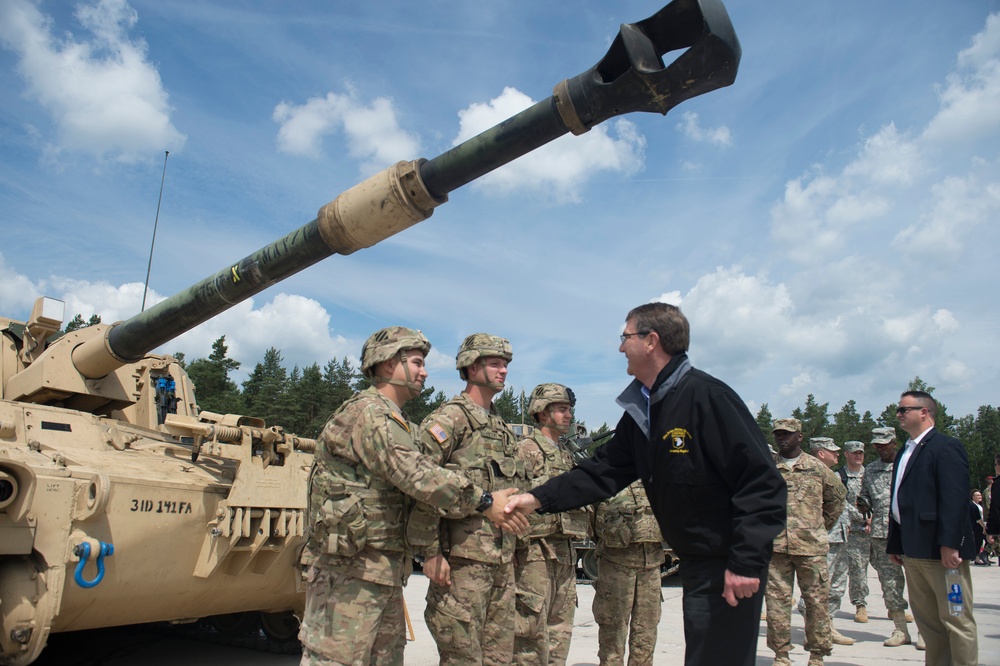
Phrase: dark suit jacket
[933,500]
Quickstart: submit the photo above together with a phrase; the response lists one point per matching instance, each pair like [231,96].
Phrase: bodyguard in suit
[929,530]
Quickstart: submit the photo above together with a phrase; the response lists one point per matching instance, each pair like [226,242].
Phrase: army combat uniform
[627,593]
[858,541]
[356,557]
[472,621]
[545,569]
[875,491]
[815,503]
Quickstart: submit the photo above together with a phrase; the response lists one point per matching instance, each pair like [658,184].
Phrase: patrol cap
[883,435]
[823,443]
[854,446]
[788,425]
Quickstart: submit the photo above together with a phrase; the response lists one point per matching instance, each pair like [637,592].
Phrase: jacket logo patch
[679,439]
[438,433]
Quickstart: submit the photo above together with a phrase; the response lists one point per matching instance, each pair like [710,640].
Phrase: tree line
[302,399]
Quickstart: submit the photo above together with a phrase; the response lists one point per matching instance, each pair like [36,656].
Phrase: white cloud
[104,96]
[372,132]
[17,293]
[562,167]
[819,212]
[970,101]
[958,206]
[720,136]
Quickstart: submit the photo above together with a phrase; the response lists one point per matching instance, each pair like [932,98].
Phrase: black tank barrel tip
[632,76]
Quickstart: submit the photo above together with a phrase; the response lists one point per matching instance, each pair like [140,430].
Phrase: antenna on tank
[156,220]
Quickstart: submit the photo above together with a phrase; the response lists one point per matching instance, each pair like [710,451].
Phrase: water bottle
[953,581]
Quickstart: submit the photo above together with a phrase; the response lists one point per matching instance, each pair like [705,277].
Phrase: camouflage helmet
[544,395]
[382,345]
[482,345]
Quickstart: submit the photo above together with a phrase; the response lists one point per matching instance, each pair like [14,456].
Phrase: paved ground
[128,647]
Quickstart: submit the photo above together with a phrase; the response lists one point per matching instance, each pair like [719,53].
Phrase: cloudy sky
[829,223]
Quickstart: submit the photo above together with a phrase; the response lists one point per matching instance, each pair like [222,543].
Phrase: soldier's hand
[514,523]
[739,587]
[523,504]
[437,569]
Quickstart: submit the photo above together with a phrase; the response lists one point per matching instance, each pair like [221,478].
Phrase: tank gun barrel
[630,77]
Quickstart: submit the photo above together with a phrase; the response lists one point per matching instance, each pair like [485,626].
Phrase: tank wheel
[590,564]
[235,624]
[280,627]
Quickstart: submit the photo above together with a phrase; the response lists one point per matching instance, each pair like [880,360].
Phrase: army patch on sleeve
[438,433]
[679,439]
[400,420]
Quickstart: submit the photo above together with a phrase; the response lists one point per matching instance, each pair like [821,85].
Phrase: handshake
[510,510]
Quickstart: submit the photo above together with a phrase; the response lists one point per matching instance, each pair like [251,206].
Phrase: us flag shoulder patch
[438,433]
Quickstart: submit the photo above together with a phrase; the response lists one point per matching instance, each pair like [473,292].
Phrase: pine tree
[215,391]
[265,388]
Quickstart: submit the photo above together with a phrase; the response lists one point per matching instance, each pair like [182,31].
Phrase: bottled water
[953,581]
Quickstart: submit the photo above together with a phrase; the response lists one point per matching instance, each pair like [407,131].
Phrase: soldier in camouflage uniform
[875,493]
[826,450]
[627,595]
[366,465]
[815,502]
[858,540]
[470,601]
[545,569]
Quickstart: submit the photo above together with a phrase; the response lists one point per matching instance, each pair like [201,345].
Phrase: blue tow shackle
[83,552]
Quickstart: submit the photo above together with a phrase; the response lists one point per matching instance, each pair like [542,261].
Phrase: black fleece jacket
[710,478]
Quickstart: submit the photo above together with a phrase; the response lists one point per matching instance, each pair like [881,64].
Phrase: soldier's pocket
[448,619]
[529,613]
[347,529]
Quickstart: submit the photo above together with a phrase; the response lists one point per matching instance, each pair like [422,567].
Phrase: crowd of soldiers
[502,588]
[837,524]
[385,492]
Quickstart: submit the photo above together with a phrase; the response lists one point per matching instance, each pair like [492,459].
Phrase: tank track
[204,631]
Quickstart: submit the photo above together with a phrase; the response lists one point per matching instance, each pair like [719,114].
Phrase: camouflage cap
[544,395]
[823,443]
[789,425]
[386,343]
[883,435]
[482,345]
[854,446]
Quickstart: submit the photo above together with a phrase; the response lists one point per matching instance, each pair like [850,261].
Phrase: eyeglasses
[626,336]
[903,410]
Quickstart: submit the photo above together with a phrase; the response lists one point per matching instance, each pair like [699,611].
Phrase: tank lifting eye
[83,552]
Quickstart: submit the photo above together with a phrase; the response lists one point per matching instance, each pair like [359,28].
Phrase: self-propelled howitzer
[121,502]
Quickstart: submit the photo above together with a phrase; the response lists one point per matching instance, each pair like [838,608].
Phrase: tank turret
[121,502]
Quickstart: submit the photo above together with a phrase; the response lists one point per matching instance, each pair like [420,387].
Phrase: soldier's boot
[900,635]
[839,638]
[909,618]
[861,615]
[815,659]
[920,642]
[781,659]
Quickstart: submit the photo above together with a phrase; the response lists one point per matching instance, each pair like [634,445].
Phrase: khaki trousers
[951,640]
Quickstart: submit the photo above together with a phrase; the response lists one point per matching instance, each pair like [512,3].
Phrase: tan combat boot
[839,638]
[861,615]
[900,635]
[815,659]
[781,659]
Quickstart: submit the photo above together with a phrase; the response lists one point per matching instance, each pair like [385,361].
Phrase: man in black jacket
[929,531]
[712,483]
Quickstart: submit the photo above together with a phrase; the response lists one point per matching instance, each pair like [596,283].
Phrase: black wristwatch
[485,502]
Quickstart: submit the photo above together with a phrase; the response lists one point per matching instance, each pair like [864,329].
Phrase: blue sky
[829,223]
